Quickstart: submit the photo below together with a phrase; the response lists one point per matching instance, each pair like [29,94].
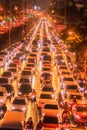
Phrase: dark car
[3,80]
[10,90]
[23,80]
[14,71]
[25,90]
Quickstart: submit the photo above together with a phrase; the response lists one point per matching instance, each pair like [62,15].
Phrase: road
[39,34]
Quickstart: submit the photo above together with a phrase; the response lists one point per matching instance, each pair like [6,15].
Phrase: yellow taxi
[45,97]
[51,108]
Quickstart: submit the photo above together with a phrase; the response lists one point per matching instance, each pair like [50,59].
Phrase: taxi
[79,98]
[80,113]
[51,109]
[45,97]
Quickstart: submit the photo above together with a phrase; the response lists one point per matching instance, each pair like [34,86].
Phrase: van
[13,120]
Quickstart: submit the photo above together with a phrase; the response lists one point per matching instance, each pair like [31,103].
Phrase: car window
[24,80]
[3,80]
[46,96]
[47,89]
[77,96]
[82,109]
[50,120]
[49,106]
[1,94]
[21,102]
[67,79]
[6,74]
[71,87]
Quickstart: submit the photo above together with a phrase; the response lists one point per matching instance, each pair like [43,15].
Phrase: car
[18,63]
[5,54]
[44,97]
[30,65]
[2,61]
[46,69]
[31,60]
[16,123]
[45,50]
[65,73]
[10,90]
[21,56]
[62,68]
[79,98]
[46,58]
[23,80]
[4,80]
[66,80]
[9,75]
[20,104]
[27,74]
[51,109]
[47,88]
[33,55]
[3,96]
[70,88]
[14,71]
[25,90]
[45,77]
[12,65]
[50,122]
[80,113]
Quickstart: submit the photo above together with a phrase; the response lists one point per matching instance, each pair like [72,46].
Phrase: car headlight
[13,108]
[1,100]
[23,108]
[9,94]
[43,114]
[19,93]
[77,116]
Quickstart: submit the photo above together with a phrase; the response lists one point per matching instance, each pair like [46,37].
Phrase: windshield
[47,89]
[82,109]
[50,106]
[1,93]
[46,96]
[24,80]
[6,74]
[71,87]
[19,101]
[77,97]
[67,79]
[50,120]
[26,89]
[1,59]
[12,70]
[66,73]
[26,73]
[12,65]
[3,80]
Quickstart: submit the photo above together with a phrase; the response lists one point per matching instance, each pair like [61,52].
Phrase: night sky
[44,4]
